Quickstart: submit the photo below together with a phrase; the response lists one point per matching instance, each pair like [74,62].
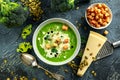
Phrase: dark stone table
[106,69]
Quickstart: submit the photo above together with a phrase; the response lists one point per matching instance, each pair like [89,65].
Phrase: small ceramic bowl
[100,26]
[37,52]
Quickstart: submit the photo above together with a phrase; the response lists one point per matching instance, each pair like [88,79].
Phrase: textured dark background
[106,69]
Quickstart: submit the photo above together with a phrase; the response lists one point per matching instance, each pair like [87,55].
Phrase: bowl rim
[103,27]
[50,21]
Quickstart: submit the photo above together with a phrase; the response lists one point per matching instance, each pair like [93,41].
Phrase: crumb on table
[105,32]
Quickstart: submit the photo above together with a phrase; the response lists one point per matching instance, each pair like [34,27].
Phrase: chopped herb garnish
[61,36]
[54,50]
[47,37]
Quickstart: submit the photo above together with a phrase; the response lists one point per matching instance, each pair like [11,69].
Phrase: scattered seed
[85,63]
[74,71]
[93,73]
[46,73]
[87,49]
[5,61]
[57,33]
[94,58]
[11,72]
[66,70]
[73,66]
[73,62]
[80,68]
[99,45]
[105,32]
[34,8]
[80,75]
[34,79]
[50,76]
[15,78]
[77,8]
[8,79]
[86,57]
[76,21]
[91,54]
[23,78]
[81,65]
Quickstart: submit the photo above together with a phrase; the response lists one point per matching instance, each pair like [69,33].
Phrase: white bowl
[62,21]
[102,27]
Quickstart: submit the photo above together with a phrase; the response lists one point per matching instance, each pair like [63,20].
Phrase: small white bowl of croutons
[98,15]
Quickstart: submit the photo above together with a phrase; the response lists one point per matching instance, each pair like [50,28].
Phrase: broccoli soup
[56,42]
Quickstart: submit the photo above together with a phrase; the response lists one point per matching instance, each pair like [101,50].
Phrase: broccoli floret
[62,5]
[26,31]
[24,47]
[12,14]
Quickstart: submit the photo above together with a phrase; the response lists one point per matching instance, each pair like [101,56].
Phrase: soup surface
[56,42]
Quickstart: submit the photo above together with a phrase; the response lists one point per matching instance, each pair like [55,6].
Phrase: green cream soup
[56,42]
